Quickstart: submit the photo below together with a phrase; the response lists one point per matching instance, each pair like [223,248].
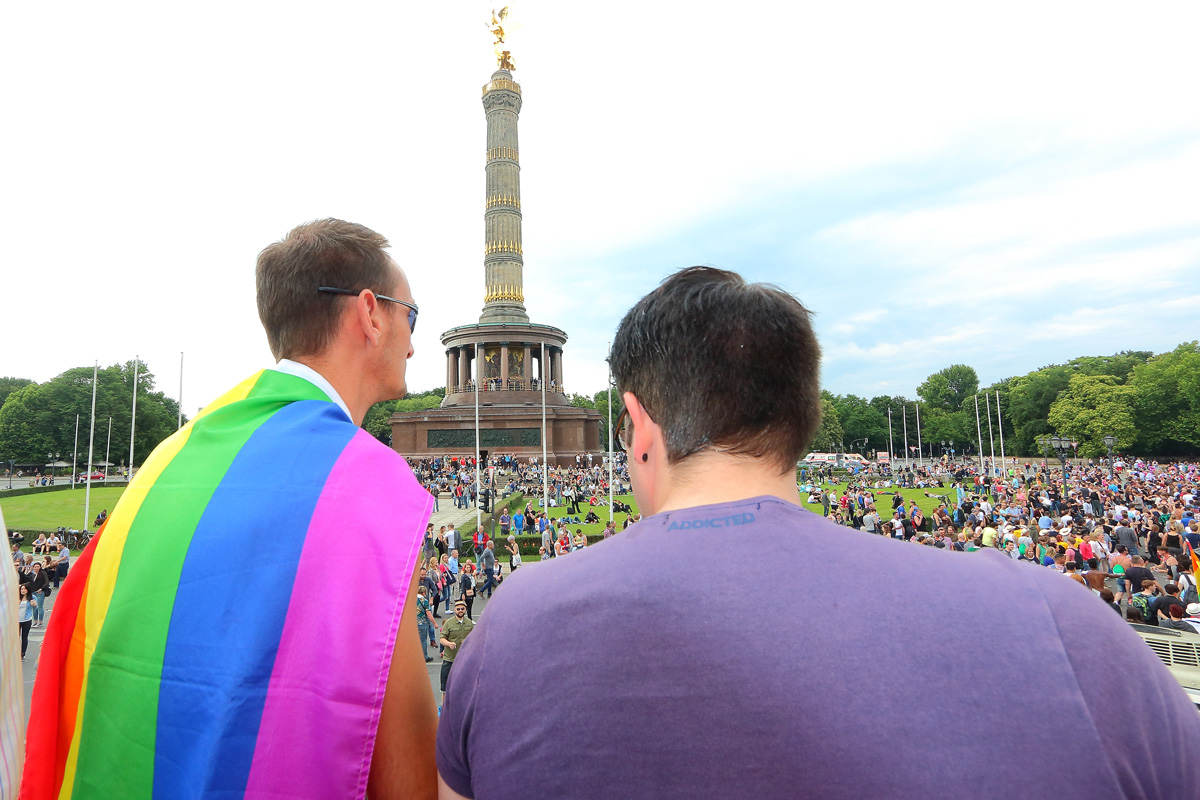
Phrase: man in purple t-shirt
[635,686]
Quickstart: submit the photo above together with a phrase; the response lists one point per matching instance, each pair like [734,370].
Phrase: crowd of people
[1126,529]
[38,575]
[584,484]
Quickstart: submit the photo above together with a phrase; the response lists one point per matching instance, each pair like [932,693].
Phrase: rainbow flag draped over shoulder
[229,630]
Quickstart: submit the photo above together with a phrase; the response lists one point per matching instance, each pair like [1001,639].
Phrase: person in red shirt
[480,539]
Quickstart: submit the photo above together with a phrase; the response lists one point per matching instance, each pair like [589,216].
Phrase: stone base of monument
[505,429]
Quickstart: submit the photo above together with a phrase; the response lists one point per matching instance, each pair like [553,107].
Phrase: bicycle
[78,540]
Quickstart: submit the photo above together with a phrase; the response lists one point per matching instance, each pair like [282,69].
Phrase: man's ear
[368,315]
[646,432]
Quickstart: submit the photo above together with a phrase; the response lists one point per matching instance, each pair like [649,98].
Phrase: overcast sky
[1004,186]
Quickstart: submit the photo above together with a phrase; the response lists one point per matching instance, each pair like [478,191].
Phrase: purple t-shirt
[686,658]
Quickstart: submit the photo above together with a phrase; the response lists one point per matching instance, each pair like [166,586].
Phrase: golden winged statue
[496,26]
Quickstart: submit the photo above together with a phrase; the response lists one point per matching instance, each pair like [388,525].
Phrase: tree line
[37,419]
[1149,403]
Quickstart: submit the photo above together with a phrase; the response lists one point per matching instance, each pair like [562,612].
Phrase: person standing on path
[1128,537]
[466,588]
[426,624]
[514,553]
[454,632]
[488,561]
[38,585]
[157,677]
[24,615]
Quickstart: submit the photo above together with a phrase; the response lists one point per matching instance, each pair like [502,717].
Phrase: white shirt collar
[295,368]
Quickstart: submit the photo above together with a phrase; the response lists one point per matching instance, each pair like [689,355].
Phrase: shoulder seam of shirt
[1075,675]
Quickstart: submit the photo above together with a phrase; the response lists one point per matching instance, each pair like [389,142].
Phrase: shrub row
[58,487]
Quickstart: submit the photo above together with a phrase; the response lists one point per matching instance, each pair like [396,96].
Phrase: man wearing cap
[1193,616]
[454,632]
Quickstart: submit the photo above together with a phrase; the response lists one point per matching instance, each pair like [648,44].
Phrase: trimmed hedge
[58,487]
[528,545]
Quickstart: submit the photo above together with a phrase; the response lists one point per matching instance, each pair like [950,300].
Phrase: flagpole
[179,422]
[545,464]
[478,484]
[987,398]
[132,421]
[108,451]
[87,491]
[1000,426]
[75,452]
[610,436]
[907,452]
[891,454]
[920,447]
[978,433]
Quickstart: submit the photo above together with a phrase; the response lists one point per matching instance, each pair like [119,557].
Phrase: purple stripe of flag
[332,666]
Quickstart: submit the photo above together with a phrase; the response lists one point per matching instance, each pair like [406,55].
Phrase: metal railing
[514,385]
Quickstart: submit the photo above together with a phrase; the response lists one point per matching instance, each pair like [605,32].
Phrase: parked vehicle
[1180,651]
[96,476]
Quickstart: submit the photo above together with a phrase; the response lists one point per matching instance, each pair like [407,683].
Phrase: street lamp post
[1110,442]
[1061,447]
[1043,442]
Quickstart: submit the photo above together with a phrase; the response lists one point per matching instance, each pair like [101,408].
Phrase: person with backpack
[1187,585]
[1143,599]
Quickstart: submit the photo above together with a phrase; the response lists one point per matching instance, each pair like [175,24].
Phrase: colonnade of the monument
[464,371]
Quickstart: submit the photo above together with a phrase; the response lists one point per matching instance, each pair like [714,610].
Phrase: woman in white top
[24,616]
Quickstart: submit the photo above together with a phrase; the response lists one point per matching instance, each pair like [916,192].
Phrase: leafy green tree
[10,385]
[1029,399]
[829,434]
[947,389]
[600,403]
[1092,407]
[40,418]
[939,425]
[860,420]
[1119,365]
[1166,398]
[375,421]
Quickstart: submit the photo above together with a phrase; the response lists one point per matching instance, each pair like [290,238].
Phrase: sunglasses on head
[621,432]
[412,309]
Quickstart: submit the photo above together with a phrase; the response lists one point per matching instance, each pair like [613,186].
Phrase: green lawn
[883,502]
[588,530]
[48,511]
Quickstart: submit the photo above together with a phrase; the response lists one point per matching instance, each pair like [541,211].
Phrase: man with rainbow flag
[171,671]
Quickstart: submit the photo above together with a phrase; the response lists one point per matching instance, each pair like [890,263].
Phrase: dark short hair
[722,364]
[298,319]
